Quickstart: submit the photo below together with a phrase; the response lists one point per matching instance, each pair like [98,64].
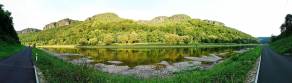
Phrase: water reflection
[141,56]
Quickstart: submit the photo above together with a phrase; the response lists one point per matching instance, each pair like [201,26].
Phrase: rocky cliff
[215,22]
[59,23]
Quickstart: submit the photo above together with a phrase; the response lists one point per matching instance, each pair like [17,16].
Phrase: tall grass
[7,49]
[232,70]
[56,70]
[283,45]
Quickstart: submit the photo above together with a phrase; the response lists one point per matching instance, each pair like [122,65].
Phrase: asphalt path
[275,68]
[18,68]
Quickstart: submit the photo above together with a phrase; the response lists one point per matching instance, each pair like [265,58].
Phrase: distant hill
[109,28]
[264,40]
[7,31]
[171,19]
[28,30]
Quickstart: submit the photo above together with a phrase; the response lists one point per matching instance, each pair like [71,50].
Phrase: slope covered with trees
[7,32]
[109,28]
[9,41]
[283,42]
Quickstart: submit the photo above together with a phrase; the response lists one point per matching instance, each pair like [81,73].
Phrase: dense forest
[109,28]
[7,32]
[286,28]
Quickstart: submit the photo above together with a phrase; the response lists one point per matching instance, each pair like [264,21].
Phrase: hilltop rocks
[165,19]
[28,30]
[180,17]
[174,18]
[159,19]
[214,22]
[60,23]
[103,17]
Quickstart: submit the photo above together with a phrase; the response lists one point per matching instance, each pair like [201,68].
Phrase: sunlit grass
[7,49]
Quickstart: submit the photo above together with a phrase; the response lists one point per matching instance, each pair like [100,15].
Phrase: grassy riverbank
[146,46]
[7,49]
[232,70]
[58,71]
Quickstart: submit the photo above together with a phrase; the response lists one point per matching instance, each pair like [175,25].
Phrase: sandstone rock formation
[60,23]
[215,22]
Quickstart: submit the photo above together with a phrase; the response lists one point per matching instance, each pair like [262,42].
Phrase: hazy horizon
[258,18]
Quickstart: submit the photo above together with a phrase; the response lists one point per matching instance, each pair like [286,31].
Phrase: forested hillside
[9,41]
[7,32]
[109,28]
[283,42]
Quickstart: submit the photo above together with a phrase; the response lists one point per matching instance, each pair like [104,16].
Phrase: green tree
[123,38]
[108,39]
[7,32]
[133,37]
[82,41]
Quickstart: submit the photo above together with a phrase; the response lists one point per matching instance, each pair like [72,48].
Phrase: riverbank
[145,46]
[234,69]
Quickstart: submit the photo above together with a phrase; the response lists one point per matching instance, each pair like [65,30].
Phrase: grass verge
[283,45]
[232,70]
[7,49]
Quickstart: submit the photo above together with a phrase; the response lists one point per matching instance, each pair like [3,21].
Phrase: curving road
[18,68]
[275,68]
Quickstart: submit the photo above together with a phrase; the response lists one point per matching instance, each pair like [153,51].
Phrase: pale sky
[255,17]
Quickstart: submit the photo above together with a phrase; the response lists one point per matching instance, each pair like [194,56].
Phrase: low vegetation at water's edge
[232,70]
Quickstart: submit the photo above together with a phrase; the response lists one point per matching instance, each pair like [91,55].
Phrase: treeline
[108,28]
[7,32]
[286,29]
[283,42]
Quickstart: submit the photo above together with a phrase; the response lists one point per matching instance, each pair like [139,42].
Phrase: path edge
[258,69]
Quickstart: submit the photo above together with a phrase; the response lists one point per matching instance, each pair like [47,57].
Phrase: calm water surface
[141,56]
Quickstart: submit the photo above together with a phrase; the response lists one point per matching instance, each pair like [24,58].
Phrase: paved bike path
[275,68]
[18,68]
